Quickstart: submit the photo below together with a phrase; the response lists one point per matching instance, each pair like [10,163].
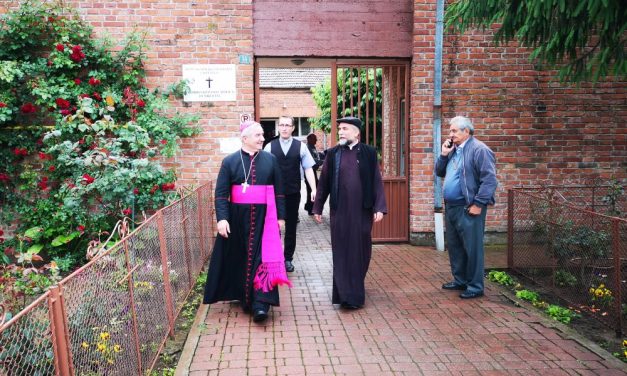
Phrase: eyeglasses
[285,125]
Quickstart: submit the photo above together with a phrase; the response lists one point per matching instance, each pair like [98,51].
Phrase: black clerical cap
[351,120]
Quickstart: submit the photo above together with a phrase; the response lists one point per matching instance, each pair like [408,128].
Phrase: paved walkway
[409,326]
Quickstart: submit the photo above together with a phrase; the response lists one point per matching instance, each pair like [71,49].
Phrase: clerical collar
[247,153]
[350,147]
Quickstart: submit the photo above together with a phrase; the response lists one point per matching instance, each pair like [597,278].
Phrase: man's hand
[474,210]
[447,147]
[378,216]
[313,194]
[318,218]
[223,228]
[281,224]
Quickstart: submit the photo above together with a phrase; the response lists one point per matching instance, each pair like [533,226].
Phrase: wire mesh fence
[572,252]
[113,315]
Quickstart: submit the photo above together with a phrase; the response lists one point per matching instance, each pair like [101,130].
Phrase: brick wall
[540,130]
[291,102]
[185,32]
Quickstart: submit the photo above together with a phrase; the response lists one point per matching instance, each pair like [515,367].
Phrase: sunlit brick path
[409,326]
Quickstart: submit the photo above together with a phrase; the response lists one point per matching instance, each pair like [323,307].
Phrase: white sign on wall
[210,82]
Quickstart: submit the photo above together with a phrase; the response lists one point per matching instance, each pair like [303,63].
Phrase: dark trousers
[464,238]
[292,201]
[308,202]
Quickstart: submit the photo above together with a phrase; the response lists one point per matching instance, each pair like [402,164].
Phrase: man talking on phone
[468,168]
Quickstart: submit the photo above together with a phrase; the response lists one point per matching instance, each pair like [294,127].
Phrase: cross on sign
[209,81]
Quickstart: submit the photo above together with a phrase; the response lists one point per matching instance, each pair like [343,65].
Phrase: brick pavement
[409,326]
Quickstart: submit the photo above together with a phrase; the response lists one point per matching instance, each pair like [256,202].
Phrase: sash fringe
[270,274]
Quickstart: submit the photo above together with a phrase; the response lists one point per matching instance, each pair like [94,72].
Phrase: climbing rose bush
[80,134]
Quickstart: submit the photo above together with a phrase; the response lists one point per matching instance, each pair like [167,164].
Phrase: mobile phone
[450,143]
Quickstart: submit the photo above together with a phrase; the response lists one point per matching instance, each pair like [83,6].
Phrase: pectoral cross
[244,186]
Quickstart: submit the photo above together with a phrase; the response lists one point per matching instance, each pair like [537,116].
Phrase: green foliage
[585,39]
[614,193]
[501,277]
[351,83]
[79,132]
[580,241]
[527,295]
[564,278]
[561,314]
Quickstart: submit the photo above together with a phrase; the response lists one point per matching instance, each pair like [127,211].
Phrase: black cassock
[351,227]
[235,259]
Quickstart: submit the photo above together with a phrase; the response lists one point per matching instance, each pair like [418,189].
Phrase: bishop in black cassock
[236,257]
[351,177]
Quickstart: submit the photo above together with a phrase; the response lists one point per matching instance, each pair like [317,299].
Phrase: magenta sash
[271,272]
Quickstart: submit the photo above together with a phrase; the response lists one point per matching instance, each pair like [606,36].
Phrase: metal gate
[377,92]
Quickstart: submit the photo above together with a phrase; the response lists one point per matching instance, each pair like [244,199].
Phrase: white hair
[247,132]
[463,122]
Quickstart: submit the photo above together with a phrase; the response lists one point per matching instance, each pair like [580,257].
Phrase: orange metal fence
[113,315]
[570,251]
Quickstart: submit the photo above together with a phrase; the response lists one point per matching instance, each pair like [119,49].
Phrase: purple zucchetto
[246,124]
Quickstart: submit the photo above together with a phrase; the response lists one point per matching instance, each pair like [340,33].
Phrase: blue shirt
[452,186]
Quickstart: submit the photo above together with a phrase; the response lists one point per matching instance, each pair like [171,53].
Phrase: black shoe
[453,286]
[349,306]
[289,267]
[260,316]
[470,294]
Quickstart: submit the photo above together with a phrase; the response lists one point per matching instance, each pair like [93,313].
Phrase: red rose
[126,211]
[80,228]
[77,81]
[28,108]
[60,47]
[141,103]
[4,178]
[77,54]
[51,168]
[136,191]
[164,142]
[43,184]
[94,81]
[71,185]
[9,251]
[44,156]
[88,179]
[154,189]
[2,104]
[62,103]
[96,96]
[65,112]
[1,232]
[49,63]
[20,152]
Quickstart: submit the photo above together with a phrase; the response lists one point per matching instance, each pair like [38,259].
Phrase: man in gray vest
[292,155]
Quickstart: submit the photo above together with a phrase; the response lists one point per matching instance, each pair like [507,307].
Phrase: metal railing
[570,251]
[113,315]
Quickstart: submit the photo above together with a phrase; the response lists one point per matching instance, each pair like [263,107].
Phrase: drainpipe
[437,124]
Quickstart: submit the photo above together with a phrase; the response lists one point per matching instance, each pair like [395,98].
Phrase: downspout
[437,124]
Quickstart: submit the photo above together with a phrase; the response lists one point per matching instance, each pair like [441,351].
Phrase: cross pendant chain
[244,186]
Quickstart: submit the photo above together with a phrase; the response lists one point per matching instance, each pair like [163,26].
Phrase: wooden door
[377,92]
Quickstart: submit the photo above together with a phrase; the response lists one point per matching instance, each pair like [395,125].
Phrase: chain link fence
[562,239]
[113,315]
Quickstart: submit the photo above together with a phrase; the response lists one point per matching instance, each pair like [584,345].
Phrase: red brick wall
[541,131]
[290,102]
[186,32]
[362,28]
